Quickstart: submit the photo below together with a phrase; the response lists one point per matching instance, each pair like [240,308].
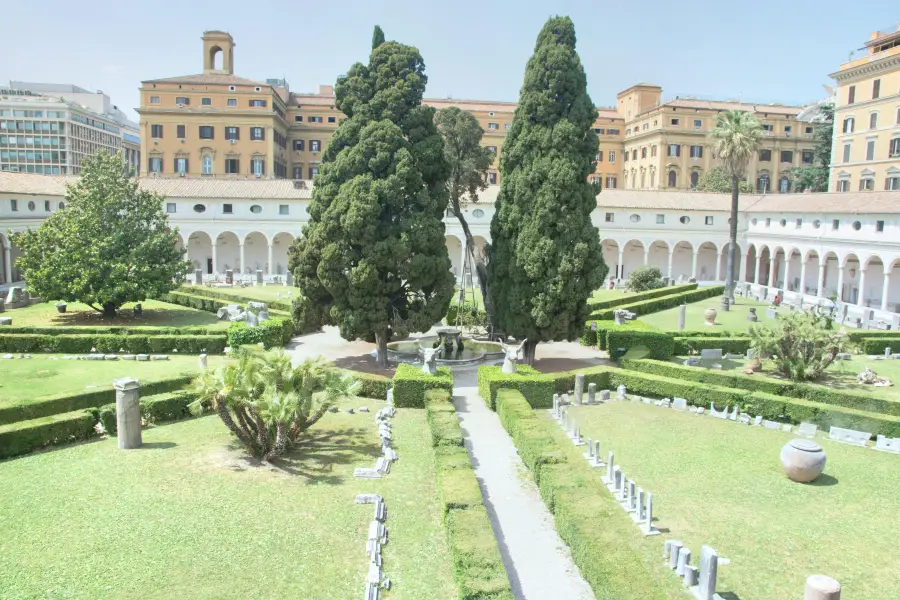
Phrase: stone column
[802,276]
[694,266]
[215,261]
[718,267]
[787,271]
[861,297]
[271,270]
[128,412]
[579,388]
[709,567]
[758,269]
[681,316]
[742,268]
[198,277]
[840,284]
[647,256]
[592,394]
[243,266]
[671,258]
[821,587]
[7,262]
[884,290]
[773,281]
[621,264]
[820,286]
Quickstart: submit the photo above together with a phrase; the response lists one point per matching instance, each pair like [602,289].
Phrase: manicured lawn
[188,517]
[263,293]
[156,314]
[41,375]
[605,294]
[722,484]
[733,320]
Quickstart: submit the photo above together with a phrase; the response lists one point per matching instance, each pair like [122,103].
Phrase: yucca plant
[267,403]
[799,343]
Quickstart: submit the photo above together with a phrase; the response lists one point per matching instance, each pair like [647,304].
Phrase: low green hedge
[203,303]
[159,408]
[472,315]
[410,384]
[858,335]
[274,333]
[693,345]
[114,330]
[370,385]
[442,420]
[33,408]
[660,344]
[596,305]
[598,337]
[602,539]
[280,305]
[876,345]
[798,410]
[537,388]
[26,436]
[211,343]
[652,305]
[696,393]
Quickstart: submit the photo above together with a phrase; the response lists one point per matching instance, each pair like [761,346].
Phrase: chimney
[326,90]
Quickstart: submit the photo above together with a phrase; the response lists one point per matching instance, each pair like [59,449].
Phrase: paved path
[537,561]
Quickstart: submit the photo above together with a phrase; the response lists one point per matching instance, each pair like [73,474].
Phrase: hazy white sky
[768,51]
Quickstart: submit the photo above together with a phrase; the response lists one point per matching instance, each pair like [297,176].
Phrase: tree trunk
[480,266]
[381,360]
[528,352]
[109,310]
[732,240]
[281,441]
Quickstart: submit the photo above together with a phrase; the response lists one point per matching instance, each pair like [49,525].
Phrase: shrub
[645,307]
[410,384]
[659,344]
[442,421]
[212,343]
[25,436]
[171,406]
[277,305]
[308,316]
[693,345]
[877,345]
[644,279]
[369,384]
[696,393]
[598,337]
[801,345]
[537,388]
[472,315]
[194,301]
[595,304]
[106,415]
[270,333]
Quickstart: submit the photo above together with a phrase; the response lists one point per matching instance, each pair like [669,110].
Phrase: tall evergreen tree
[545,258]
[373,250]
[377,37]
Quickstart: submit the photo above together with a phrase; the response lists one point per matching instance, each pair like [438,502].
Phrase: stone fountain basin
[474,352]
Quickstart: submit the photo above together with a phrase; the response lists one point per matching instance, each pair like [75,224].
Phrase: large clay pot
[710,316]
[803,460]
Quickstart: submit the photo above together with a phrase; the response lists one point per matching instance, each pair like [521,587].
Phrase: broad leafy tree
[545,257]
[373,251]
[737,135]
[469,162]
[815,176]
[718,180]
[111,245]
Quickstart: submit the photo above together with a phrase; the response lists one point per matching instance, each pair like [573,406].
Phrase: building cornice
[879,65]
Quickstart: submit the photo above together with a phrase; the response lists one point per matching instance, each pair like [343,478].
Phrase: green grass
[605,294]
[21,379]
[156,314]
[721,484]
[263,293]
[187,517]
[733,320]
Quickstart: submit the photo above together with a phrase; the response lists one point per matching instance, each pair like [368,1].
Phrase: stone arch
[849,291]
[216,57]
[871,286]
[706,259]
[793,260]
[4,253]
[750,264]
[809,283]
[763,265]
[256,253]
[722,272]
[682,260]
[610,249]
[454,251]
[672,178]
[695,177]
[832,268]
[632,256]
[199,251]
[658,256]
[281,243]
[228,252]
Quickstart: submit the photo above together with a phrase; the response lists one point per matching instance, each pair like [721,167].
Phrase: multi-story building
[49,128]
[865,155]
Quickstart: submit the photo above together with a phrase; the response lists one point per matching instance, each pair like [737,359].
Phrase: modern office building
[866,151]
[49,128]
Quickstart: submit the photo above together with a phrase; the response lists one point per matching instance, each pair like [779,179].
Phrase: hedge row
[693,345]
[663,291]
[537,388]
[23,437]
[760,383]
[33,408]
[114,330]
[596,336]
[274,333]
[476,562]
[283,306]
[370,385]
[410,385]
[877,345]
[159,408]
[659,344]
[210,343]
[858,335]
[603,540]
[645,307]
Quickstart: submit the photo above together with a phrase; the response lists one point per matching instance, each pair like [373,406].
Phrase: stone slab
[711,354]
[887,444]
[366,473]
[849,436]
[771,424]
[807,429]
[367,498]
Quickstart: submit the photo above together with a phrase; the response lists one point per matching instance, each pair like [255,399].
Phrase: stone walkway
[538,562]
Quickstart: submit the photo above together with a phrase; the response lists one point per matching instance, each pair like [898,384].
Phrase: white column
[671,258]
[742,269]
[861,297]
[787,270]
[215,265]
[243,262]
[820,290]
[718,266]
[271,259]
[758,268]
[647,256]
[884,290]
[773,282]
[694,266]
[621,263]
[840,285]
[7,262]
[802,276]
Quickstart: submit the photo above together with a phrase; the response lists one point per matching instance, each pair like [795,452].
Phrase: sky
[767,51]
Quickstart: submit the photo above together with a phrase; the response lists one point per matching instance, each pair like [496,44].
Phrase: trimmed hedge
[603,540]
[477,565]
[283,306]
[598,337]
[537,388]
[209,343]
[170,406]
[689,345]
[660,344]
[876,345]
[410,385]
[663,291]
[113,330]
[645,307]
[33,408]
[274,333]
[370,385]
[25,436]
[858,335]
[797,410]
[194,301]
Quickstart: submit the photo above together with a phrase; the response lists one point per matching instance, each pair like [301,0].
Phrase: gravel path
[539,564]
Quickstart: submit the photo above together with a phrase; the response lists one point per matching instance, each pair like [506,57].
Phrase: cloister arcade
[243,252]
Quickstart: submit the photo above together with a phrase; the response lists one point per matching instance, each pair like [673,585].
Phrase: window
[181,165]
[257,133]
[232,133]
[634,154]
[493,126]
[674,150]
[154,99]
[625,156]
[315,145]
[610,183]
[598,131]
[494,149]
[866,185]
[808,130]
[816,224]
[660,219]
[314,119]
[798,223]
[478,213]
[635,218]
[206,101]
[685,220]
[787,156]
[199,208]
[227,209]
[894,147]
[767,127]
[206,165]
[257,166]
[857,225]
[313,171]
[653,151]
[171,207]
[492,177]
[784,222]
[613,132]
[843,185]
[156,164]
[696,151]
[784,185]
[299,145]
[645,126]
[612,156]
[644,152]
[846,153]
[708,220]
[610,217]
[232,102]
[898,116]
[256,209]
[182,100]
[156,131]
[673,178]
[298,118]
[206,132]
[787,130]
[695,179]
[332,119]
[765,156]
[179,132]
[876,89]
[879,226]
[46,206]
[892,183]
[599,157]
[674,121]
[806,157]
[753,221]
[870,150]
[873,121]
[851,94]
[232,165]
[698,123]
[298,172]
[284,209]
[257,103]
[14,205]
[848,125]
[835,224]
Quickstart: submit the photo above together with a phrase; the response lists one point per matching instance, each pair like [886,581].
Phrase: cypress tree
[377,37]
[545,258]
[373,252]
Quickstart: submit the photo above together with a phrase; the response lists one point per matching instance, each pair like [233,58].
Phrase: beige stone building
[866,151]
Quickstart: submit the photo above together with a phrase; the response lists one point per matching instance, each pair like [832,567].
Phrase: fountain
[453,349]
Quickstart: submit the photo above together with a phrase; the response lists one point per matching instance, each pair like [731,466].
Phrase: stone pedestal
[259,277]
[128,412]
[229,276]
[198,277]
[592,393]
[726,303]
[821,587]
[203,363]
[681,316]
[579,388]
[709,570]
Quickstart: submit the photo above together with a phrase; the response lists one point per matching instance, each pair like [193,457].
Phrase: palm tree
[737,134]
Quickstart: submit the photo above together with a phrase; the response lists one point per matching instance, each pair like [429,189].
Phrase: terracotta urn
[710,316]
[803,460]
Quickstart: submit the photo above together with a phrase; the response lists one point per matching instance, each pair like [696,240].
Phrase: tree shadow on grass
[365,363]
